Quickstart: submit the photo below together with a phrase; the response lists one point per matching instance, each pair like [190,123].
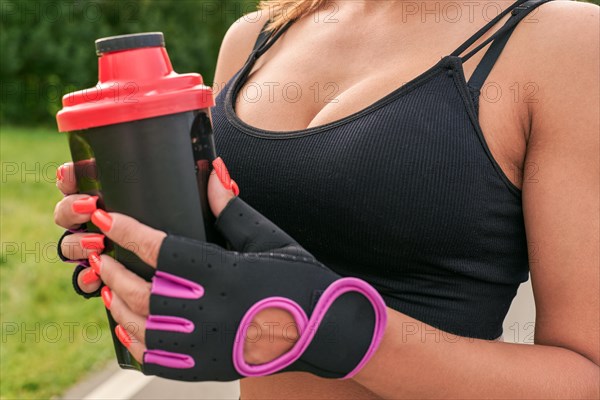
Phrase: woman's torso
[342,68]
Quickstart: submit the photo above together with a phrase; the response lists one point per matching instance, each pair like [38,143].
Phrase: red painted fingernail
[95,262]
[85,206]
[60,173]
[89,277]
[102,220]
[235,188]
[106,296]
[123,336]
[93,241]
[222,172]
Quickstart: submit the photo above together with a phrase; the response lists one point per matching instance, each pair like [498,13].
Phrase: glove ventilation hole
[241,214]
[193,260]
[223,294]
[257,222]
[200,308]
[209,265]
[175,344]
[175,255]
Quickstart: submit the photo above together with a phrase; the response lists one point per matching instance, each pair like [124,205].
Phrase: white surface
[122,385]
[519,323]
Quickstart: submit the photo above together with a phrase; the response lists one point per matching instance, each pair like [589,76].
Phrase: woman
[354,127]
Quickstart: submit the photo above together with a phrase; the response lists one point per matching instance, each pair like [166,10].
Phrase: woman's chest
[408,176]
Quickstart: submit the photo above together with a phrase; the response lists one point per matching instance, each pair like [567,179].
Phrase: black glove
[204,298]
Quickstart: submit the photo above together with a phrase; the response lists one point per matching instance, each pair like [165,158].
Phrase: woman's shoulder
[237,46]
[560,54]
[559,24]
[558,42]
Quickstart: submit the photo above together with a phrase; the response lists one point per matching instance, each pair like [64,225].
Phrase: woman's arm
[418,361]
[561,207]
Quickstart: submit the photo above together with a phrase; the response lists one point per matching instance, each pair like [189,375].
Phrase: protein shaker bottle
[142,141]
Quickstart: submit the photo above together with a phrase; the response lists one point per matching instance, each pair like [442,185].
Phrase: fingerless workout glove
[204,298]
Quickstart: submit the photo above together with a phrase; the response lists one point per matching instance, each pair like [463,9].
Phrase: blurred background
[51,338]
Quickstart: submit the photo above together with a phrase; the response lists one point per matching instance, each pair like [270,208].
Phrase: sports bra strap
[500,38]
[262,37]
[264,41]
[266,38]
[486,28]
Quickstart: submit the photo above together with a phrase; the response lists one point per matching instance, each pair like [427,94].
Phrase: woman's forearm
[416,360]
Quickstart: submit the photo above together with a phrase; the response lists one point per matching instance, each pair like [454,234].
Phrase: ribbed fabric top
[404,194]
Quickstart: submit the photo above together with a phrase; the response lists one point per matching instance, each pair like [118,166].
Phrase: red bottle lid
[136,81]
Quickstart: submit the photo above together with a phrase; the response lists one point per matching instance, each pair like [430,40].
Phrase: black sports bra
[404,193]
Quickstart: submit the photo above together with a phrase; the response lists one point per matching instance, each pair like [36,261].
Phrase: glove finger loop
[66,233]
[75,283]
[169,323]
[169,359]
[168,285]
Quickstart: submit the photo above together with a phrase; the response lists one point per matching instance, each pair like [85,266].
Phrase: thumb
[221,188]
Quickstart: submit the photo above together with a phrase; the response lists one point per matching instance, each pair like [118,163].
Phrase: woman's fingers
[88,281]
[132,327]
[79,246]
[135,347]
[131,234]
[65,179]
[134,323]
[74,210]
[221,188]
[126,285]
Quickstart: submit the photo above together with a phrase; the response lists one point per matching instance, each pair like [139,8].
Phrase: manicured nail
[85,206]
[89,277]
[123,336]
[60,173]
[235,188]
[93,241]
[95,262]
[106,296]
[102,220]
[222,172]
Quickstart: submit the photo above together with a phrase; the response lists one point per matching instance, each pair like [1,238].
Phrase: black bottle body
[155,170]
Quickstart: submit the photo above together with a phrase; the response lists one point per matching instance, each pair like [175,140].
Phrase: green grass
[49,334]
